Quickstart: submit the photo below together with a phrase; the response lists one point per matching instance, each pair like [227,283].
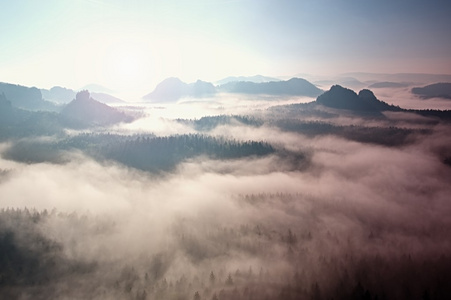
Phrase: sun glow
[132,65]
[127,64]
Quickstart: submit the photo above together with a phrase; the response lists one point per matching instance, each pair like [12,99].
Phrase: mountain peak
[85,110]
[25,97]
[367,94]
[255,79]
[436,90]
[83,95]
[344,98]
[172,89]
[292,87]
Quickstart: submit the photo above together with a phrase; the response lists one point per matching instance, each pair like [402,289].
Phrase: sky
[131,45]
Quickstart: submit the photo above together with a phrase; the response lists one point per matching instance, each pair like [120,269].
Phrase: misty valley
[247,189]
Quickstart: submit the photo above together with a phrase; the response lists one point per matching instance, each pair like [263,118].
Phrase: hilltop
[291,87]
[172,89]
[343,98]
[436,90]
[85,110]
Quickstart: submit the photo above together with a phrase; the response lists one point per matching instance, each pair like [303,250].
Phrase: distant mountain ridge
[401,77]
[436,90]
[18,122]
[172,89]
[63,95]
[26,97]
[291,87]
[387,84]
[348,82]
[58,94]
[255,78]
[85,111]
[366,102]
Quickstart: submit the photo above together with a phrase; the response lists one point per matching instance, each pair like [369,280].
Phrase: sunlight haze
[225,149]
[130,46]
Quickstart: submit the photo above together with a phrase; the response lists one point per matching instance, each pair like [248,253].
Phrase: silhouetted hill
[292,87]
[401,77]
[201,88]
[436,90]
[376,104]
[343,98]
[20,123]
[58,94]
[256,79]
[85,111]
[172,89]
[80,113]
[365,102]
[387,84]
[25,97]
[63,95]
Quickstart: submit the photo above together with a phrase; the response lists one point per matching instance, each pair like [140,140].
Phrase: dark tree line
[435,113]
[211,122]
[163,153]
[144,152]
[29,259]
[387,136]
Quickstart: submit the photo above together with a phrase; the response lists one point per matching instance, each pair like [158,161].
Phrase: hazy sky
[134,44]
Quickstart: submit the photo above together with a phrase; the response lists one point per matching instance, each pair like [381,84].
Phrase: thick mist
[234,216]
[325,215]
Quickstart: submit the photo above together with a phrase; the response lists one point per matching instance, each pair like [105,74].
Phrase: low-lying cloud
[324,217]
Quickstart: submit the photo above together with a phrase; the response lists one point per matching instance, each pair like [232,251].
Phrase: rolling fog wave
[259,228]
